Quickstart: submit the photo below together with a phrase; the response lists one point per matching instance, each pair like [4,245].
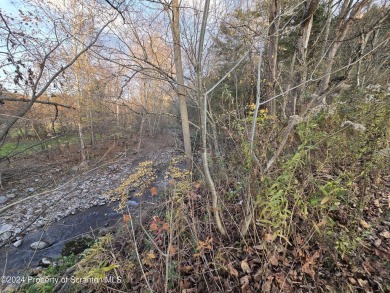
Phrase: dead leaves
[385,234]
[204,246]
[273,260]
[158,225]
[172,249]
[245,267]
[309,266]
[232,270]
[245,288]
[364,224]
[269,237]
[154,191]
[126,218]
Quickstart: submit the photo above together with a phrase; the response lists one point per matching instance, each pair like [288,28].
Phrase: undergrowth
[314,214]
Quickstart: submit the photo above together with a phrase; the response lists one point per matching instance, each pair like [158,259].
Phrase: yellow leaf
[269,237]
[325,200]
[364,224]
[385,234]
[352,281]
[362,283]
[151,255]
[245,266]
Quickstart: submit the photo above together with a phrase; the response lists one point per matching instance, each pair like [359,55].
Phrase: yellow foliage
[140,180]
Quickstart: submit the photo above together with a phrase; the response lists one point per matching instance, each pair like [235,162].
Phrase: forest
[194,146]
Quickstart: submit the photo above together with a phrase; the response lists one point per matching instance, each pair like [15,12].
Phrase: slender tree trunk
[273,34]
[248,202]
[347,16]
[363,44]
[91,127]
[141,130]
[327,27]
[203,125]
[76,29]
[118,120]
[302,48]
[175,27]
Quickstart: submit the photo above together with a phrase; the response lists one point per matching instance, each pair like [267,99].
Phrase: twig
[4,98]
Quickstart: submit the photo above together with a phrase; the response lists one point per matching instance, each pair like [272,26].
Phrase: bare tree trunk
[82,146]
[91,128]
[327,27]
[118,120]
[273,34]
[141,130]
[175,27]
[203,125]
[302,48]
[347,15]
[76,28]
[248,204]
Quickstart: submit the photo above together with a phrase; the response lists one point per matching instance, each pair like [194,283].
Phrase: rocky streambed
[38,228]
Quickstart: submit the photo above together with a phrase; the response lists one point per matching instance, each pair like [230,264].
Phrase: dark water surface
[13,261]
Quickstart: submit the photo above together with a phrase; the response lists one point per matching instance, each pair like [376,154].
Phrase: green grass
[33,146]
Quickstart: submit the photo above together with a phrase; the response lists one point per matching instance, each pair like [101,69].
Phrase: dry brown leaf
[368,267]
[284,284]
[321,223]
[385,234]
[382,254]
[186,269]
[269,237]
[245,266]
[325,200]
[154,191]
[352,281]
[172,249]
[273,260]
[364,285]
[194,196]
[260,247]
[364,224]
[185,286]
[197,184]
[299,240]
[246,289]
[258,276]
[244,280]
[307,268]
[232,270]
[267,285]
[378,242]
[126,218]
[165,227]
[151,255]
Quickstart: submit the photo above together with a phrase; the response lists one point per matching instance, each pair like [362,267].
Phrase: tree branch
[4,98]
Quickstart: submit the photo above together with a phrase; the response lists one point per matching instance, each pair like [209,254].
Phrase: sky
[8,7]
